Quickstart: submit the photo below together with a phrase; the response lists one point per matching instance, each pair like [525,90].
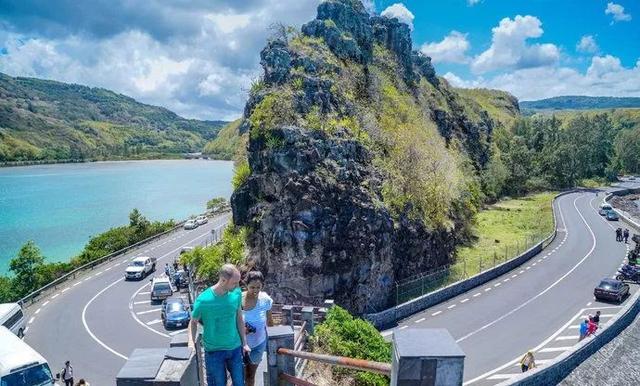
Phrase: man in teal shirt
[219,308]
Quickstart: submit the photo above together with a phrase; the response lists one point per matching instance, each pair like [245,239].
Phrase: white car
[190,224]
[161,288]
[140,267]
[201,220]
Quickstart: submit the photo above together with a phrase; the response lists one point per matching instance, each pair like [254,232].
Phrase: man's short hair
[227,271]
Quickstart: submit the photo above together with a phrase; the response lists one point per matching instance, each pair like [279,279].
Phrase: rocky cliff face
[357,153]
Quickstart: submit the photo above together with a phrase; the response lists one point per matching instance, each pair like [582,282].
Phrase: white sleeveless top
[257,317]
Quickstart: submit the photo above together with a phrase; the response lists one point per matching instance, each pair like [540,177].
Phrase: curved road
[97,320]
[538,305]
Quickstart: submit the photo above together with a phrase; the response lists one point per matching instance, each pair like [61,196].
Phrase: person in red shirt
[591,326]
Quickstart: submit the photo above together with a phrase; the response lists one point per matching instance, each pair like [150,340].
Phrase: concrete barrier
[389,317]
[553,372]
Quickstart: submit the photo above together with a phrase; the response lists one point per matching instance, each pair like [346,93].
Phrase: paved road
[97,320]
[537,306]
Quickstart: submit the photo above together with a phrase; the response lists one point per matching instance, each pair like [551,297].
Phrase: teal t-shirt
[218,315]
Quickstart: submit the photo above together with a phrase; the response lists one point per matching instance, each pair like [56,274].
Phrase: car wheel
[619,277]
[20,333]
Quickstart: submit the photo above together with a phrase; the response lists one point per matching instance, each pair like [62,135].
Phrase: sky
[199,57]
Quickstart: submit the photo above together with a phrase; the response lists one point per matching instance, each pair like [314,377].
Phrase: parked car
[604,208]
[161,288]
[611,289]
[12,317]
[190,224]
[612,216]
[201,220]
[140,267]
[175,313]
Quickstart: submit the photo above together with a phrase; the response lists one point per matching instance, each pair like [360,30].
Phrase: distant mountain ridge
[576,102]
[50,120]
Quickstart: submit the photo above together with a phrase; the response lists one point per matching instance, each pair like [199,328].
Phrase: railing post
[279,336]
[287,315]
[307,316]
[426,357]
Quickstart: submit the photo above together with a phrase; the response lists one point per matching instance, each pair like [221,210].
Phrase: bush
[241,173]
[343,335]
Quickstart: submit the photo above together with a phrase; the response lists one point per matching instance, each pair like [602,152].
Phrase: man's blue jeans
[218,362]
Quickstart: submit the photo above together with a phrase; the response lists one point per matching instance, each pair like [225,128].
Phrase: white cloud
[617,11]
[587,44]
[400,12]
[451,49]
[370,6]
[198,61]
[509,48]
[605,76]
[473,2]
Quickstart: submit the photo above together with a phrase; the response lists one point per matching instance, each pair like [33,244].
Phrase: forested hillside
[48,120]
[573,102]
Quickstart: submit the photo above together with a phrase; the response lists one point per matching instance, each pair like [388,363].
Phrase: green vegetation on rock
[48,120]
[227,142]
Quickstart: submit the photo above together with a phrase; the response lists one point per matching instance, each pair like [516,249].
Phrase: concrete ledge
[553,372]
[389,317]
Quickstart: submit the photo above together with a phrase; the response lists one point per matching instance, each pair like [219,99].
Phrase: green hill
[227,142]
[48,120]
[573,102]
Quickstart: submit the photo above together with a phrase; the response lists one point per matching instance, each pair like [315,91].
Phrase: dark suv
[611,289]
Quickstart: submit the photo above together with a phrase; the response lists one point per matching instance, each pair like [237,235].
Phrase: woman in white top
[256,307]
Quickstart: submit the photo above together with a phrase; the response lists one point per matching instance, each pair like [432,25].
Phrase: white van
[20,365]
[12,317]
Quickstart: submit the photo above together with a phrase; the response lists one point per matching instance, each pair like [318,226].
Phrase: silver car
[190,224]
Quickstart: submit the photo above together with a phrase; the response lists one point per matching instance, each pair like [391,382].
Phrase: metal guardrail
[92,264]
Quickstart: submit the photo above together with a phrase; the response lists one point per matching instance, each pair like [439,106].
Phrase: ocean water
[61,206]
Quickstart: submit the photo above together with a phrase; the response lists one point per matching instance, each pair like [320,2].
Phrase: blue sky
[199,57]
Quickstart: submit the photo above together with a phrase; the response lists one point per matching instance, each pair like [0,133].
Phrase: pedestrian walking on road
[527,362]
[584,328]
[596,318]
[67,374]
[256,306]
[626,235]
[219,308]
[591,326]
[167,270]
[619,234]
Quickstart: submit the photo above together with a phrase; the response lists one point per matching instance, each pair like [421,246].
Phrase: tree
[136,219]
[25,268]
[216,202]
[6,293]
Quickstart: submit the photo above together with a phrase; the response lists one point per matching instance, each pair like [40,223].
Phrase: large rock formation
[324,157]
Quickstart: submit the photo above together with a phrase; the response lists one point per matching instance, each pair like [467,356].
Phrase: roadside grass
[503,230]
[593,182]
[506,229]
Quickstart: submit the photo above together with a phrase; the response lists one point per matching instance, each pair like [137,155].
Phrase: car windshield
[32,376]
[606,285]
[136,264]
[161,287]
[175,307]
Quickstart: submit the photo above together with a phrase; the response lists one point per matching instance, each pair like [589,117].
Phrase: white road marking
[26,329]
[403,327]
[87,279]
[556,349]
[45,303]
[419,320]
[506,280]
[487,289]
[31,320]
[180,331]
[86,326]
[477,294]
[143,302]
[144,293]
[593,247]
[108,269]
[156,321]
[534,264]
[55,296]
[125,261]
[148,311]
[451,306]
[589,304]
[502,376]
[568,337]
[65,290]
[574,327]
[77,284]
[497,284]
[514,276]
[436,313]
[464,300]
[521,271]
[37,311]
[528,268]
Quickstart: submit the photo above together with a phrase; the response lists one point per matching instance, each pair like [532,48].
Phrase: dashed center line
[65,290]
[31,320]
[487,289]
[45,303]
[451,306]
[497,284]
[55,296]
[37,311]
[419,320]
[464,300]
[436,313]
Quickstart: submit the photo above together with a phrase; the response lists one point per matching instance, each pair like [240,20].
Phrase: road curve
[97,320]
[538,305]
